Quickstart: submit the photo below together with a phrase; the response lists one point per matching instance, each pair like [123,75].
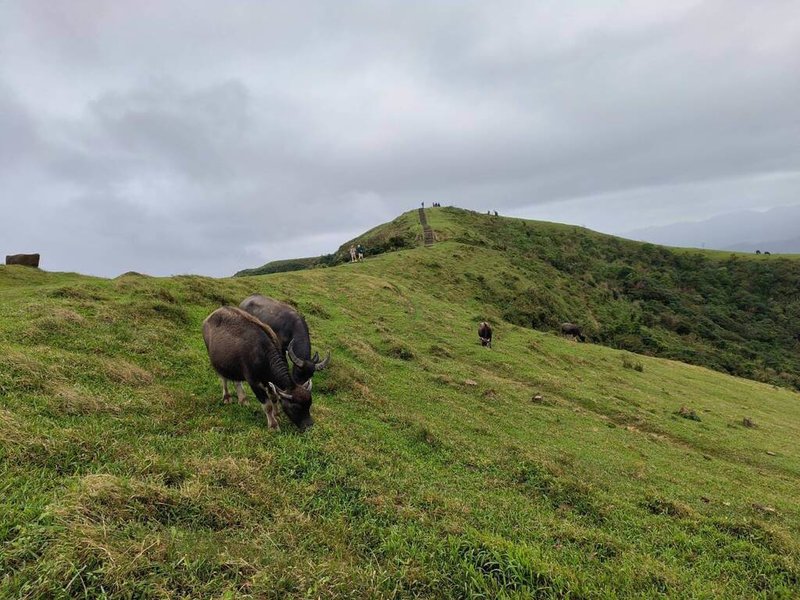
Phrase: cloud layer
[171,137]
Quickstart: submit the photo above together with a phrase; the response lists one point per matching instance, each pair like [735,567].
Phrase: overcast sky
[206,137]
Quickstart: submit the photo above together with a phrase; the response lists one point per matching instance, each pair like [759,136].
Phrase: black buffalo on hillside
[27,260]
[485,334]
[572,330]
[242,348]
[292,331]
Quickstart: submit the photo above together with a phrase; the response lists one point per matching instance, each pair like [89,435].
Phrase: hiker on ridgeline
[360,252]
[352,253]
[495,213]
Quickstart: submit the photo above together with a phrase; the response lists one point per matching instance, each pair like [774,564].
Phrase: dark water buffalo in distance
[485,334]
[242,348]
[28,260]
[292,331]
[573,330]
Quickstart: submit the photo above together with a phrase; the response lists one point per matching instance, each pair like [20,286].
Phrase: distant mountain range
[776,230]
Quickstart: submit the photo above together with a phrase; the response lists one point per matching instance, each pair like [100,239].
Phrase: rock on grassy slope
[123,475]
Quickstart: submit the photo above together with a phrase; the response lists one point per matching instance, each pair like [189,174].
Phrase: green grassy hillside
[430,471]
[402,233]
[284,266]
[739,314]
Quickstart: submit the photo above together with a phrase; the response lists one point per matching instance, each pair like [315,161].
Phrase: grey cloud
[19,139]
[186,136]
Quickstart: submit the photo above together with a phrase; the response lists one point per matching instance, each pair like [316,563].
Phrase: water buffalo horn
[315,360]
[278,391]
[321,365]
[292,356]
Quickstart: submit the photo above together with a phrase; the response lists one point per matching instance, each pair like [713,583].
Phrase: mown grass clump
[494,568]
[662,506]
[400,351]
[688,413]
[633,364]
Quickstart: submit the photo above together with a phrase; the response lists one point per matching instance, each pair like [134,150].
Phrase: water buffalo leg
[226,397]
[266,403]
[269,410]
[240,393]
[272,402]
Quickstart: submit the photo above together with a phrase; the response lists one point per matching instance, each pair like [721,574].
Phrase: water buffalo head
[304,369]
[296,404]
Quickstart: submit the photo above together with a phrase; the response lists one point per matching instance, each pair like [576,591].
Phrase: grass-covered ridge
[736,313]
[284,266]
[402,233]
[430,471]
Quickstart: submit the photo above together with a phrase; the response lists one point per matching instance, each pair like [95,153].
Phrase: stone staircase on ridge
[427,233]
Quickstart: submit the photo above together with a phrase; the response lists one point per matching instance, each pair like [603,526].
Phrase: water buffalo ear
[308,385]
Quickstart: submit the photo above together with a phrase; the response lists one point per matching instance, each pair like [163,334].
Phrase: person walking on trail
[360,252]
[352,253]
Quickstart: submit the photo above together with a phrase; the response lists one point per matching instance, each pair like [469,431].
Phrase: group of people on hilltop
[434,205]
[356,253]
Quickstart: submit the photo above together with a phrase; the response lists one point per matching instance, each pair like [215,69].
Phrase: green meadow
[433,469]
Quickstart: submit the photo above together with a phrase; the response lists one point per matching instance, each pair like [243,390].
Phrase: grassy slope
[403,232]
[282,266]
[736,313]
[122,474]
[739,314]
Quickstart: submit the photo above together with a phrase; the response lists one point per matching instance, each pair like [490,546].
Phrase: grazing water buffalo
[242,348]
[292,332]
[485,334]
[573,330]
[28,260]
